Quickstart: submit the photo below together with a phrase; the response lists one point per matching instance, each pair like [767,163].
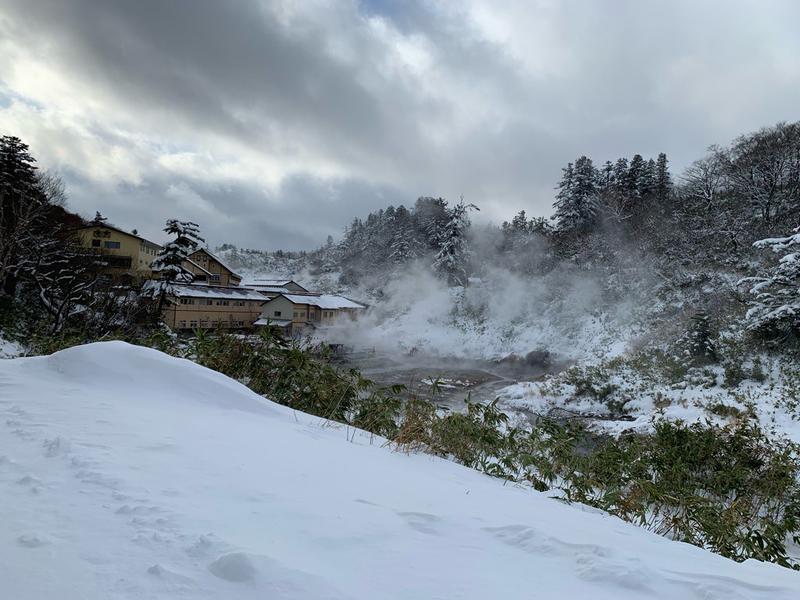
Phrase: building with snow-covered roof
[289,285]
[200,306]
[308,310]
[274,287]
[209,268]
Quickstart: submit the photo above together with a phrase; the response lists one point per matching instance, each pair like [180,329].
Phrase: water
[448,381]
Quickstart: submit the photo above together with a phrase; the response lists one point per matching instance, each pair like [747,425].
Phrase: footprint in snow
[422,522]
[33,540]
[58,446]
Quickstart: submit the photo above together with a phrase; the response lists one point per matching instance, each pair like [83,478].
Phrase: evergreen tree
[169,262]
[21,205]
[663,181]
[577,204]
[452,258]
[701,346]
[621,175]
[635,176]
[775,309]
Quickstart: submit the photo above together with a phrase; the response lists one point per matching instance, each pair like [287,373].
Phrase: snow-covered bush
[775,308]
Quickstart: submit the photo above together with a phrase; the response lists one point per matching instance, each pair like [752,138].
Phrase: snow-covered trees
[577,203]
[453,256]
[169,262]
[63,276]
[701,346]
[764,167]
[22,205]
[775,309]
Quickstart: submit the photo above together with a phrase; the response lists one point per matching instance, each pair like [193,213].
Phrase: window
[187,300]
[277,313]
[182,324]
[240,303]
[214,277]
[223,302]
[95,243]
[203,322]
[111,244]
[193,324]
[209,302]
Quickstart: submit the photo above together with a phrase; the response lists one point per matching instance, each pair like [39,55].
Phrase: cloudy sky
[273,123]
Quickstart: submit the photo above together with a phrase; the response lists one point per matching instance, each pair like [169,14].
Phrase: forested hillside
[628,239]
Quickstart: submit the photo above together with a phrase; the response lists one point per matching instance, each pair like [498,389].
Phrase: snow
[9,349]
[323,301]
[210,291]
[691,400]
[129,474]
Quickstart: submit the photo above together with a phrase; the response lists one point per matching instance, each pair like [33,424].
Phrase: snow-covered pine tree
[775,308]
[663,182]
[647,182]
[401,250]
[169,262]
[577,204]
[636,172]
[701,346]
[621,175]
[453,256]
[21,204]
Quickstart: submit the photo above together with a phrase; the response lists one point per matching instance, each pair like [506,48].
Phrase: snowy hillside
[128,474]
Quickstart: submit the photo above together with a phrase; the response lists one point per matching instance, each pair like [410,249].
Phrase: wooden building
[298,312]
[201,306]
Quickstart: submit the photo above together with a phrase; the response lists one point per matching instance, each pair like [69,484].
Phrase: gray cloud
[273,124]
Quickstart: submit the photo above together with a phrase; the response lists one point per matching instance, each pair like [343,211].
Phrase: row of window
[106,244]
[326,314]
[209,302]
[204,324]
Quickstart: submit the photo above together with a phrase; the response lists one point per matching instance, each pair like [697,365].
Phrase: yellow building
[127,256]
[210,269]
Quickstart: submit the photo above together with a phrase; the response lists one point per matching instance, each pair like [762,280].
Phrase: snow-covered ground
[700,396]
[9,349]
[125,473]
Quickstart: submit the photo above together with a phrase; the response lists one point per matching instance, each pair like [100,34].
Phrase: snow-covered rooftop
[214,291]
[269,289]
[323,301]
[129,474]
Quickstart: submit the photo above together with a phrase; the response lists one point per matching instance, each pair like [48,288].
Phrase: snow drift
[125,473]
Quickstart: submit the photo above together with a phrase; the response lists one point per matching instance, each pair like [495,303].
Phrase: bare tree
[764,167]
[705,178]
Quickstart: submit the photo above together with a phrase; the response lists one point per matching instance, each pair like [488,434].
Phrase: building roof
[203,269]
[268,289]
[271,283]
[194,290]
[93,225]
[323,301]
[218,259]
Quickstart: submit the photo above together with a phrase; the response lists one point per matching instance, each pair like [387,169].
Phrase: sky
[273,123]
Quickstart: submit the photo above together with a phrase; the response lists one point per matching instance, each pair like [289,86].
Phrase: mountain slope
[129,474]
